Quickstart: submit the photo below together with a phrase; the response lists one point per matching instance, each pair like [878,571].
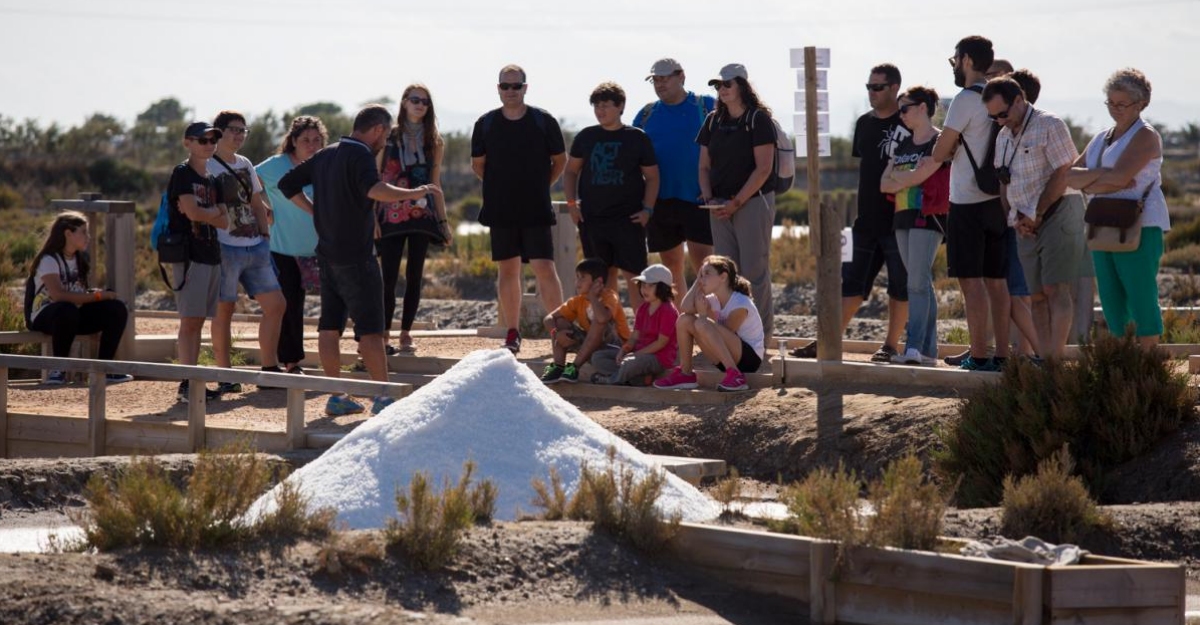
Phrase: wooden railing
[296,385]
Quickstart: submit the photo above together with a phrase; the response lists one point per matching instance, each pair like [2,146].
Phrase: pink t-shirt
[649,327]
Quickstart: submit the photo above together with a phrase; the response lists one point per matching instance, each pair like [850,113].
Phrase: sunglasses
[877,86]
[1001,115]
[905,107]
[205,140]
[236,130]
[728,84]
[511,86]
[412,99]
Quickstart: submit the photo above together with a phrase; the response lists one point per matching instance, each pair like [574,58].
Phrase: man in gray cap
[672,122]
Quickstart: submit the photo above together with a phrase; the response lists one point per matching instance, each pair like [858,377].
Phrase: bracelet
[99,295]
[572,203]
[649,210]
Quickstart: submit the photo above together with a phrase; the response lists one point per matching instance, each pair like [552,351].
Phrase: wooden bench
[85,345]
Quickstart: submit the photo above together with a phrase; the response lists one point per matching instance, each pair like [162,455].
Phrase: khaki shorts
[198,297]
[1053,256]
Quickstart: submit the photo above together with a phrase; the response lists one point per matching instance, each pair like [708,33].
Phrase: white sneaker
[928,361]
[910,357]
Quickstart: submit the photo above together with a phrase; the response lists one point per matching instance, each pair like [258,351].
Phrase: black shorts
[675,221]
[528,243]
[619,243]
[975,244]
[748,363]
[354,291]
[873,250]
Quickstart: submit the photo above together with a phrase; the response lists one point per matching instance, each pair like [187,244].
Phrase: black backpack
[985,171]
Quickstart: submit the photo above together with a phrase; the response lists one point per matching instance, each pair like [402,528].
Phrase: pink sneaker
[733,381]
[677,379]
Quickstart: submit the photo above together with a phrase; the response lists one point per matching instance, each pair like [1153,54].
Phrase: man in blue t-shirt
[672,123]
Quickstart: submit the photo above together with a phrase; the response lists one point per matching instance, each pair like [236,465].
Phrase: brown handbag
[1115,225]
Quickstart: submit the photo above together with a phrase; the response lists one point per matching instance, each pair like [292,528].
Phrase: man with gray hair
[346,186]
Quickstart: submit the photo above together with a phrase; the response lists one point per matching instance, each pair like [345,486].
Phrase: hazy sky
[61,60]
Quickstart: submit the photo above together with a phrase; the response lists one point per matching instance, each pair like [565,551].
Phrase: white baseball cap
[655,274]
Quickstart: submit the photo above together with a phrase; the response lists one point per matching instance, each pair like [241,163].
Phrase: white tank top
[751,330]
[1154,214]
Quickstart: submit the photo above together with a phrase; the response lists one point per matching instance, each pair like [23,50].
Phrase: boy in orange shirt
[591,320]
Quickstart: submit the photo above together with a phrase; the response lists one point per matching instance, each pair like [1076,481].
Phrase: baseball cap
[199,129]
[655,274]
[664,67]
[729,72]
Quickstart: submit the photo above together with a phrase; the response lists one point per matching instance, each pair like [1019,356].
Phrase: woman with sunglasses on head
[1125,163]
[293,237]
[921,188]
[412,157]
[737,156]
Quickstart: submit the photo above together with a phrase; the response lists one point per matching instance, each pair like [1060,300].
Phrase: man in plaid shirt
[1034,152]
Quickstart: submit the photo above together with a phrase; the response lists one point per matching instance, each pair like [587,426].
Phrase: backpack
[172,247]
[643,116]
[785,156]
[985,171]
[31,291]
[162,221]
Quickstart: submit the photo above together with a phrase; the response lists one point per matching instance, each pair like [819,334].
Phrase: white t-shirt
[751,330]
[49,265]
[969,117]
[243,227]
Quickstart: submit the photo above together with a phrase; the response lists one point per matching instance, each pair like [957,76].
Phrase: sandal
[808,351]
[884,355]
[406,345]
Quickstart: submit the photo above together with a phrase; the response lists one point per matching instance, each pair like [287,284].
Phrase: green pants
[1128,286]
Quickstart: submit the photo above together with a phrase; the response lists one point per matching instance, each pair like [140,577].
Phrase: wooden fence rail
[296,386]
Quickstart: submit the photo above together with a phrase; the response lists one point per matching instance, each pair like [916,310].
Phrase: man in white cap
[672,123]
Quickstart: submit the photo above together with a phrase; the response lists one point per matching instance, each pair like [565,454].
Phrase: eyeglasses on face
[205,140]
[413,99]
[877,86]
[1118,106]
[1001,115]
[906,107]
[511,86]
[953,61]
[237,130]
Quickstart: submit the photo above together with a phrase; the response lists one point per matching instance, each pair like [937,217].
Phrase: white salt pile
[488,408]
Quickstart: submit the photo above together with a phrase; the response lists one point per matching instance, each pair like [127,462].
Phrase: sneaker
[600,378]
[969,363]
[553,373]
[808,351]
[911,357]
[117,378]
[182,394]
[512,342]
[229,387]
[928,361]
[993,364]
[956,361]
[391,350]
[270,369]
[570,373]
[677,379]
[884,355]
[380,403]
[340,405]
[296,370]
[733,381]
[56,378]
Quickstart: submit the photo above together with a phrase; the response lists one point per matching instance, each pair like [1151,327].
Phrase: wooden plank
[295,418]
[119,247]
[646,395]
[920,571]
[419,327]
[269,442]
[322,440]
[1028,596]
[47,429]
[857,603]
[744,550]
[1193,364]
[140,437]
[1118,616]
[97,389]
[196,411]
[43,449]
[1116,586]
[822,588]
[3,412]
[693,470]
[17,338]
[804,371]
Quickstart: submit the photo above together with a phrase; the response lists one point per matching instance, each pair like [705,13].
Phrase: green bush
[908,508]
[431,524]
[824,505]
[1183,234]
[1185,258]
[1110,406]
[1053,504]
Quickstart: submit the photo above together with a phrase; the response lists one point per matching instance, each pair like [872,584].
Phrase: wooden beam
[822,588]
[97,388]
[295,418]
[196,413]
[3,412]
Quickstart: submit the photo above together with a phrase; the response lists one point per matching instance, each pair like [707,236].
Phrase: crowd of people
[1001,183]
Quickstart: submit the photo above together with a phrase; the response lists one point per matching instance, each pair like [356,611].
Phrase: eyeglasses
[905,107]
[237,130]
[953,61]
[1001,115]
[511,86]
[205,140]
[412,99]
[877,87]
[1118,106]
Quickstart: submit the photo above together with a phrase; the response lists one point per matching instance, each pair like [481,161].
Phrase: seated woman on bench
[58,301]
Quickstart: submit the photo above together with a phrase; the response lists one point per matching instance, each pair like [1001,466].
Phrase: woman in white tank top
[1124,162]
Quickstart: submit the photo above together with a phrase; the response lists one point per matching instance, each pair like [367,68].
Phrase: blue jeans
[918,246]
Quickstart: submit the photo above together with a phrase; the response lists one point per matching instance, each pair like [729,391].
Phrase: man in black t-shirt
[518,153]
[611,183]
[346,186]
[876,134]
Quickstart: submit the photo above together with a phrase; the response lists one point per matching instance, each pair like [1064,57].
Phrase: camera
[1004,175]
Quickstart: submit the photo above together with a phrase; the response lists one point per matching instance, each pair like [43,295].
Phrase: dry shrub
[349,552]
[1053,504]
[728,490]
[824,505]
[792,261]
[291,517]
[908,508]
[431,524]
[552,498]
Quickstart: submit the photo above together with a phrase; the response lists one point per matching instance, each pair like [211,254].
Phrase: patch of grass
[1180,328]
[1053,504]
[1186,258]
[431,524]
[620,504]
[908,507]
[792,261]
[12,319]
[958,336]
[1113,404]
[824,505]
[550,498]
[728,490]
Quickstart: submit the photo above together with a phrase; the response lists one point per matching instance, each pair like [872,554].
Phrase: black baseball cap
[199,129]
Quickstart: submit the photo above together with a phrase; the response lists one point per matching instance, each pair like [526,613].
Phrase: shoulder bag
[1113,224]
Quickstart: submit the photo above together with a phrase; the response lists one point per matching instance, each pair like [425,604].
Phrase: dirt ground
[520,572]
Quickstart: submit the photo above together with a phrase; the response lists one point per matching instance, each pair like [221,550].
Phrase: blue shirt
[672,129]
[293,233]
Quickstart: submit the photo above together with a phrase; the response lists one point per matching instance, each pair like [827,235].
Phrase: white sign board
[822,101]
[822,79]
[847,244]
[800,123]
[823,147]
[797,55]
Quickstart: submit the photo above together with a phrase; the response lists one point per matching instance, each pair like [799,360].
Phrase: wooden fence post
[3,412]
[295,419]
[822,590]
[196,409]
[97,432]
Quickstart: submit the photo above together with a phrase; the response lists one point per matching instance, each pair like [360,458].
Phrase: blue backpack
[162,221]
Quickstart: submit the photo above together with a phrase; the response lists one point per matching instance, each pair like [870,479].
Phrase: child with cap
[651,347]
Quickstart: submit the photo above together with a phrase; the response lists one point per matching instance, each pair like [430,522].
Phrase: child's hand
[702,304]
[595,289]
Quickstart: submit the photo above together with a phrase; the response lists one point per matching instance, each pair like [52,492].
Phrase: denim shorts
[1017,286]
[250,266]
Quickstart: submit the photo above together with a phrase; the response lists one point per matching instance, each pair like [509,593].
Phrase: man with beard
[346,186]
[975,246]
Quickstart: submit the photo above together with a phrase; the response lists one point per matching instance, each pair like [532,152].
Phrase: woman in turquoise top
[293,237]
